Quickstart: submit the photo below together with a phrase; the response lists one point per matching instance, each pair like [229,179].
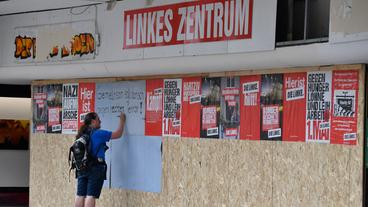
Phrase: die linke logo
[188,22]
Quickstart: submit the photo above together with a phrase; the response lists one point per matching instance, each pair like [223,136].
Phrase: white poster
[70,108]
[318,116]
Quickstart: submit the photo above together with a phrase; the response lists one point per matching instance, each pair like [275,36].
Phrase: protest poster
[294,107]
[47,108]
[171,121]
[210,107]
[39,105]
[345,106]
[250,107]
[153,120]
[86,100]
[191,107]
[318,118]
[70,108]
[271,106]
[230,101]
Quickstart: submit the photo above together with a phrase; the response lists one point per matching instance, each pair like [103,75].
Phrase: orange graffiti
[82,44]
[64,52]
[25,47]
[54,51]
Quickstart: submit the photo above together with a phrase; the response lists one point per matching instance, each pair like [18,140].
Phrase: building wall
[202,172]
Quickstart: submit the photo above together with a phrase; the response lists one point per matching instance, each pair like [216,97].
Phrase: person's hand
[122,117]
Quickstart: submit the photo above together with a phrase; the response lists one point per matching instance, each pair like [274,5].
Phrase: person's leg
[79,201]
[90,201]
[81,191]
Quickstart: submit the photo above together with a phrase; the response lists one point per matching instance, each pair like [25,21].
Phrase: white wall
[348,20]
[14,170]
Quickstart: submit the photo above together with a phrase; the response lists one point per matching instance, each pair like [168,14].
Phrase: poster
[271,106]
[210,107]
[47,108]
[86,100]
[110,100]
[318,114]
[345,107]
[191,107]
[137,163]
[171,122]
[294,107]
[153,121]
[14,134]
[230,101]
[70,108]
[39,105]
[250,107]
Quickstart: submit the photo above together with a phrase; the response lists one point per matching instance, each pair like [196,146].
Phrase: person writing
[91,181]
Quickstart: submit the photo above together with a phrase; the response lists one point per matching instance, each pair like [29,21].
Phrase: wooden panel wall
[206,172]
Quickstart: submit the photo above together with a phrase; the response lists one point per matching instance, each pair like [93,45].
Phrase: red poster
[54,119]
[191,107]
[250,107]
[345,107]
[86,100]
[153,123]
[270,117]
[294,107]
[188,22]
[209,117]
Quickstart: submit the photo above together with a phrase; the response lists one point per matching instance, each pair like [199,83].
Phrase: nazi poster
[70,108]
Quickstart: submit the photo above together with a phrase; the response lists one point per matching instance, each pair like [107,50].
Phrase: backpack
[80,157]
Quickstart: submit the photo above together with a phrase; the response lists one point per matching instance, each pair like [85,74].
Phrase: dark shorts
[90,182]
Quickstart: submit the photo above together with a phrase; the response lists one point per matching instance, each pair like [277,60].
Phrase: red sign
[153,123]
[345,107]
[86,100]
[294,107]
[250,107]
[191,110]
[188,22]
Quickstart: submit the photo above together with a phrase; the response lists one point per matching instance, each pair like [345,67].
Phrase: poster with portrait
[210,107]
[271,106]
[86,100]
[250,107]
[294,106]
[47,108]
[318,106]
[345,106]
[153,121]
[171,121]
[70,108]
[230,101]
[191,107]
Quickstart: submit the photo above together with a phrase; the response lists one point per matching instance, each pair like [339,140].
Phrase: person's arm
[119,131]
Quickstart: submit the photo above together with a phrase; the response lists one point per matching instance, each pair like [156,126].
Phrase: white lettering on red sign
[189,22]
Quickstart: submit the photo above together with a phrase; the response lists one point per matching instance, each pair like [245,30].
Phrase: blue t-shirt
[98,141]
